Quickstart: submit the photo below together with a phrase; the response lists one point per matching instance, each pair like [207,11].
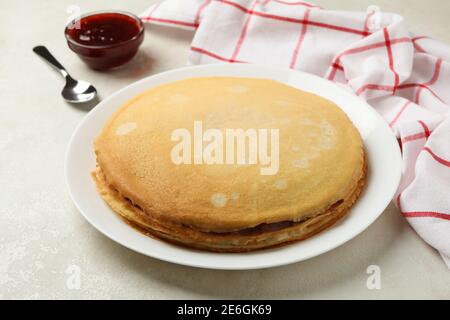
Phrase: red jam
[105,40]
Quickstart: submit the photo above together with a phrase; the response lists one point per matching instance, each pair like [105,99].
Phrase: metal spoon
[74,91]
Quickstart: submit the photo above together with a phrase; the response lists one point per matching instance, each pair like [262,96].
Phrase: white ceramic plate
[384,173]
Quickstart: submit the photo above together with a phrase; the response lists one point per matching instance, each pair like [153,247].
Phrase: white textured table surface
[44,240]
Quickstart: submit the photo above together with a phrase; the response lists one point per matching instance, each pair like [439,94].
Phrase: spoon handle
[47,56]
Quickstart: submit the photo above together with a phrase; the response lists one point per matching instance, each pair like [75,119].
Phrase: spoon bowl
[78,91]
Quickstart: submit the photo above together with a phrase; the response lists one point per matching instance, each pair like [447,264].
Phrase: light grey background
[42,234]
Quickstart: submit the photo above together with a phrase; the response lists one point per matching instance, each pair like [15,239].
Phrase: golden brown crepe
[230,207]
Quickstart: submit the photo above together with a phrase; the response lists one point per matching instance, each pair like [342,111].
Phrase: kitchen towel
[405,77]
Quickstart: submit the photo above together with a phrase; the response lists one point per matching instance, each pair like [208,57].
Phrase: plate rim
[98,108]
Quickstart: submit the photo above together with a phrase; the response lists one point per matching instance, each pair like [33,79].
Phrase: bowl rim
[94,13]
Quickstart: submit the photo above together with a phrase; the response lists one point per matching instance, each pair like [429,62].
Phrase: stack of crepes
[403,76]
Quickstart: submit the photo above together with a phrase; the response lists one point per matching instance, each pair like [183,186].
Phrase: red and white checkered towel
[405,77]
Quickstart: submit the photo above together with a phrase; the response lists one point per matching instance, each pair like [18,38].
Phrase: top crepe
[321,155]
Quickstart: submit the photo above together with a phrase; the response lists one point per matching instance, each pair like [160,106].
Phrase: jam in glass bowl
[106,39]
